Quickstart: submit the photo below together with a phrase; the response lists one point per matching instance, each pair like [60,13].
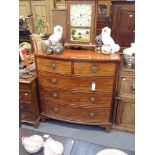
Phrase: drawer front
[94,69]
[78,114]
[25,96]
[28,116]
[54,66]
[24,86]
[93,99]
[25,106]
[127,86]
[76,83]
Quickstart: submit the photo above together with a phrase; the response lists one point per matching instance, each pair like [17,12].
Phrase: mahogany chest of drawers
[77,86]
[29,108]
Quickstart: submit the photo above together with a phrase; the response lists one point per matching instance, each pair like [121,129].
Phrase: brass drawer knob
[53,66]
[91,114]
[93,100]
[94,69]
[54,95]
[54,81]
[55,110]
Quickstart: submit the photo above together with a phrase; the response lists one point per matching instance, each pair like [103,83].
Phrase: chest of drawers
[77,86]
[29,108]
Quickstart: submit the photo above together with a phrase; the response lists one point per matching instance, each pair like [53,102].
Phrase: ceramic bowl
[111,152]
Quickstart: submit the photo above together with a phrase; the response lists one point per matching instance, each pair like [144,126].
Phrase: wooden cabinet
[29,108]
[77,86]
[41,11]
[123,22]
[124,111]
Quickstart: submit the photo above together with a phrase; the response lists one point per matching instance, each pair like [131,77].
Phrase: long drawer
[94,69]
[76,82]
[92,99]
[78,114]
[54,66]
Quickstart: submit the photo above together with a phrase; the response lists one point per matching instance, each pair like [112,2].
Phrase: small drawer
[77,113]
[24,86]
[25,96]
[25,106]
[54,66]
[101,84]
[94,69]
[92,99]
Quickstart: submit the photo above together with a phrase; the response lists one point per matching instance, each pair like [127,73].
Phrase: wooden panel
[78,114]
[94,69]
[25,106]
[126,113]
[25,10]
[123,24]
[41,10]
[54,66]
[28,116]
[91,99]
[75,82]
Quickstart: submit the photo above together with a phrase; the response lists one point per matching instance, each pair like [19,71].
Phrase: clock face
[80,15]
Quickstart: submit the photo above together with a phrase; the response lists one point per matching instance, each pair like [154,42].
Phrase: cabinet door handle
[93,100]
[53,66]
[54,81]
[94,69]
[55,110]
[55,95]
[91,114]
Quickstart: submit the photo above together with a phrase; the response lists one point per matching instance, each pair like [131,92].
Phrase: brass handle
[54,95]
[53,66]
[91,114]
[94,69]
[55,110]
[54,81]
[93,100]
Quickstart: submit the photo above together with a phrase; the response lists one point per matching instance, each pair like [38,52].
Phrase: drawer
[54,66]
[126,86]
[28,116]
[24,86]
[25,96]
[76,82]
[92,99]
[77,114]
[94,69]
[25,106]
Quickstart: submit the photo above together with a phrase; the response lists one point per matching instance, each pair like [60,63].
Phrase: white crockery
[52,147]
[33,143]
[111,152]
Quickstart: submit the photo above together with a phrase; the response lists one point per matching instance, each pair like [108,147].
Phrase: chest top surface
[80,55]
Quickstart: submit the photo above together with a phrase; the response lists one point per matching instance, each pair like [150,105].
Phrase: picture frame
[81,23]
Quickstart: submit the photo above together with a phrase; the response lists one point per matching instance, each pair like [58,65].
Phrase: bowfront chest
[77,86]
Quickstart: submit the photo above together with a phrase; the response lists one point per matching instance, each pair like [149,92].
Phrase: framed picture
[80,26]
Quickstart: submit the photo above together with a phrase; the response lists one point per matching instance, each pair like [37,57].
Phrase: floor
[94,134]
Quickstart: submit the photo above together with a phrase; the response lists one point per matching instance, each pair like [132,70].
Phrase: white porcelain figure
[33,143]
[56,37]
[52,147]
[130,50]
[108,41]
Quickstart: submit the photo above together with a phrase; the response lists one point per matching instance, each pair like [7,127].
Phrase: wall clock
[81,23]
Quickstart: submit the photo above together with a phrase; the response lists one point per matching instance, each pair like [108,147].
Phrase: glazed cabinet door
[123,24]
[125,116]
